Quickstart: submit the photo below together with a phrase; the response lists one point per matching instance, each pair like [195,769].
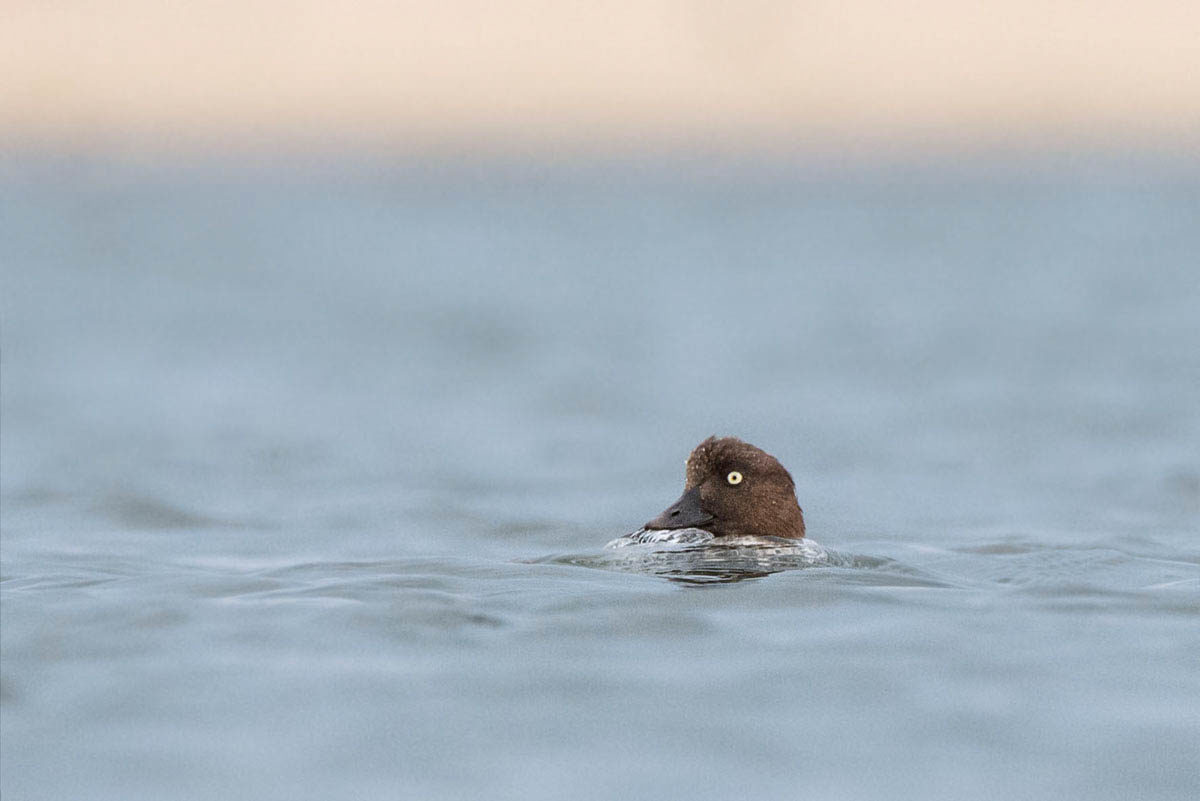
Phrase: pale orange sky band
[646,72]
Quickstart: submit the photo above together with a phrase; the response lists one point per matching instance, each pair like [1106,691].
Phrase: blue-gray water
[308,470]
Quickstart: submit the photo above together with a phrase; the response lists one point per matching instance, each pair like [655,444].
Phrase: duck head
[732,488]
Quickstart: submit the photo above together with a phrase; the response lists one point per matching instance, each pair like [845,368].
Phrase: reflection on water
[692,556]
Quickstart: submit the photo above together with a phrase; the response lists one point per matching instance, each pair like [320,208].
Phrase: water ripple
[690,556]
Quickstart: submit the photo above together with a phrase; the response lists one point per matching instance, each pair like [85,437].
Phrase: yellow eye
[734,478]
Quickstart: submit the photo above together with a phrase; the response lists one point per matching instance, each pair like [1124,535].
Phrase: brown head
[735,489]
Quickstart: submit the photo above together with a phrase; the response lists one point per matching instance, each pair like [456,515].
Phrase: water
[308,471]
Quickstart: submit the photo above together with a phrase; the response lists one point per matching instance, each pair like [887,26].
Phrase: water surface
[308,472]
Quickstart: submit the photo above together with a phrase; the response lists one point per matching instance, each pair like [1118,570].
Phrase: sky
[629,73]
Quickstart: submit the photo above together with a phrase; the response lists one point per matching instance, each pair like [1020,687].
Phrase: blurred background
[338,339]
[862,77]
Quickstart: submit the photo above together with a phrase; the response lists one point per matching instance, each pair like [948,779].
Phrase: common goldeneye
[733,489]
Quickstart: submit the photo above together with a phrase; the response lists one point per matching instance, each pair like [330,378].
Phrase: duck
[733,489]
